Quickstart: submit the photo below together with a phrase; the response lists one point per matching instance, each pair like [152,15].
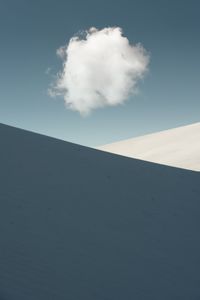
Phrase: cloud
[100,68]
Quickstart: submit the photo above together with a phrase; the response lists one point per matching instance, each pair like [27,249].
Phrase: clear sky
[32,31]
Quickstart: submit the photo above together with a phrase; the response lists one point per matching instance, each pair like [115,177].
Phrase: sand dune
[77,223]
[178,147]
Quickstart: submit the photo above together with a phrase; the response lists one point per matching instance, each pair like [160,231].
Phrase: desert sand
[78,223]
[178,147]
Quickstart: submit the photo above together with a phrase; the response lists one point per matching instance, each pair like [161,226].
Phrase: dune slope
[177,147]
[77,223]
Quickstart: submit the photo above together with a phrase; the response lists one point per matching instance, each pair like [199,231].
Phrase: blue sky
[31,31]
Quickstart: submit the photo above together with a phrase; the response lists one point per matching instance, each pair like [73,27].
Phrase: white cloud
[100,68]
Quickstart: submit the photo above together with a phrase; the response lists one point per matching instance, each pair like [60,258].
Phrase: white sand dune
[178,147]
[77,223]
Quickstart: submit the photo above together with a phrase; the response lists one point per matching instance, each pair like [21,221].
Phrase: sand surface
[178,147]
[77,223]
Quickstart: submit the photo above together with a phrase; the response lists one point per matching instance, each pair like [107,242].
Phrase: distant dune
[178,147]
[82,224]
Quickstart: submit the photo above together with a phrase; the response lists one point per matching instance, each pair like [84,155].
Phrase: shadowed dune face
[77,223]
[177,147]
